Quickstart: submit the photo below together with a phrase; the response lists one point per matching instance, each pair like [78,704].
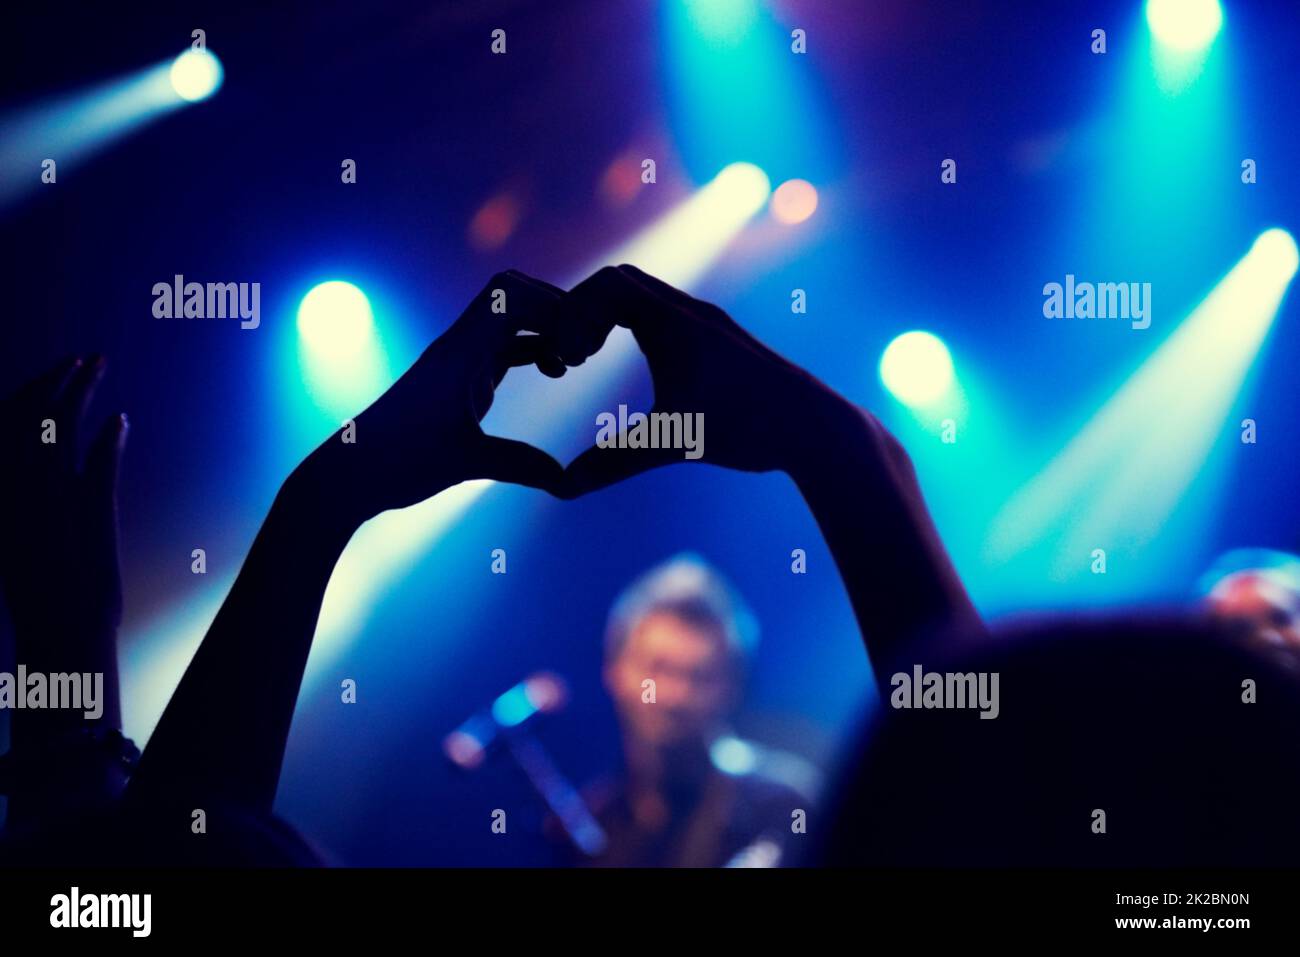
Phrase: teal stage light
[916,368]
[196,75]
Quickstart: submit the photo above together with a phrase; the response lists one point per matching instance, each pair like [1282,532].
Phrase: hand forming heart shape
[424,434]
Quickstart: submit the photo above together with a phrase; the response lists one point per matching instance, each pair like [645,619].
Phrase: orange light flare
[794,201]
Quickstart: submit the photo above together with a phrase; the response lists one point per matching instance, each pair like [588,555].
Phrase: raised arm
[222,736]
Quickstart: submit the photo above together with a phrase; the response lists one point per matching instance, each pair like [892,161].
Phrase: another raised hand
[62,585]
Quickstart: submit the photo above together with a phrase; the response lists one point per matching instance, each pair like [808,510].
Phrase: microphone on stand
[507,722]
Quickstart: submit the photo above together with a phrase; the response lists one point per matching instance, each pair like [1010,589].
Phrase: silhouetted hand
[62,583]
[423,434]
[756,406]
[58,520]
[763,413]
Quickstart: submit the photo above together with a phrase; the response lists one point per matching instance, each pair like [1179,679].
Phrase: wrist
[825,432]
[320,498]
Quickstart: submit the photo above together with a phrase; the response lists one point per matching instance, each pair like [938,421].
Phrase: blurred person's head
[1261,588]
[681,627]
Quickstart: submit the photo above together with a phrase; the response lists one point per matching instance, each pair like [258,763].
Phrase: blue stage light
[1119,481]
[917,368]
[73,126]
[733,756]
[342,361]
[1184,25]
[196,75]
[335,319]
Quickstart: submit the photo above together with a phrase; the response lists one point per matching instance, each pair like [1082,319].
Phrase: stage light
[335,318]
[1276,252]
[728,69]
[742,186]
[1186,26]
[1117,483]
[72,127]
[917,368]
[686,241]
[342,364]
[722,21]
[733,756]
[196,75]
[794,201]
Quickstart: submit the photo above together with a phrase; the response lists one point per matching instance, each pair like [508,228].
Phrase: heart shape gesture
[423,434]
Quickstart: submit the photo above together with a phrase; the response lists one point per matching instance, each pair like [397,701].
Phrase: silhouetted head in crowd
[1117,743]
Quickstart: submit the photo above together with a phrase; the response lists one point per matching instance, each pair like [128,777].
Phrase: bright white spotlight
[741,184]
[196,75]
[1184,25]
[1276,251]
[342,362]
[917,368]
[335,319]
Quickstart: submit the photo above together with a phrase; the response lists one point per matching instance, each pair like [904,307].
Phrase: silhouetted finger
[511,303]
[508,460]
[608,297]
[575,337]
[99,478]
[656,286]
[44,389]
[525,350]
[692,307]
[75,399]
[597,468]
[550,287]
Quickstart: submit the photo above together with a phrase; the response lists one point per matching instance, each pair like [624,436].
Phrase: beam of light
[195,75]
[724,22]
[917,368]
[1119,480]
[1178,138]
[686,241]
[680,247]
[1184,25]
[728,70]
[342,362]
[73,127]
